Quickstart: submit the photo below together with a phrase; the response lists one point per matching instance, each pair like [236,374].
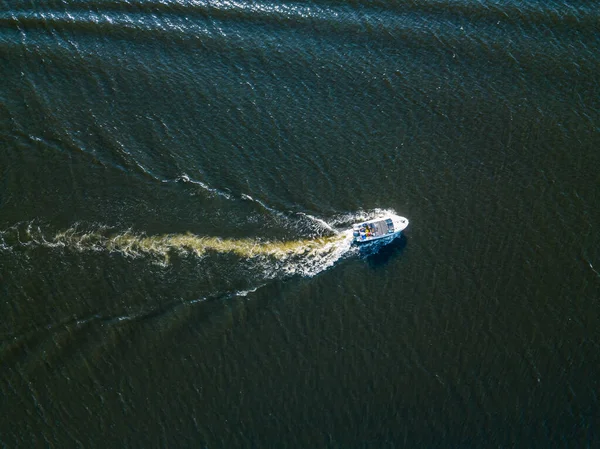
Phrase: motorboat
[378,228]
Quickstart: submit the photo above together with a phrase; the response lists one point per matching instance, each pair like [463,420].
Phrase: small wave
[211,190]
[247,197]
[188,19]
[301,222]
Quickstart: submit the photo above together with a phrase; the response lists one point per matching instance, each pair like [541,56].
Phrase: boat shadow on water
[380,253]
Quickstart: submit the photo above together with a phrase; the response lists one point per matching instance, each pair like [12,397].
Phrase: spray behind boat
[258,257]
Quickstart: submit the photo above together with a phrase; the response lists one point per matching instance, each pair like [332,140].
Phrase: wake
[272,258]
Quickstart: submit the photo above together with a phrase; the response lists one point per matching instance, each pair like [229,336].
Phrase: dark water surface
[176,181]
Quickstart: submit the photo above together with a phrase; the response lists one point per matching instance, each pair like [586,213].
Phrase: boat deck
[374,230]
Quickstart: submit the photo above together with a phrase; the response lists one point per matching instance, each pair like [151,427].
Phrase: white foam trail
[346,220]
[321,222]
[244,293]
[304,257]
[330,253]
[593,269]
[186,179]
[247,197]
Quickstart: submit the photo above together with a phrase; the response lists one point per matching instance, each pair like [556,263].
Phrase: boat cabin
[373,230]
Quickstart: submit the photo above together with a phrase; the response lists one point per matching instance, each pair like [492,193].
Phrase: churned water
[177,182]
